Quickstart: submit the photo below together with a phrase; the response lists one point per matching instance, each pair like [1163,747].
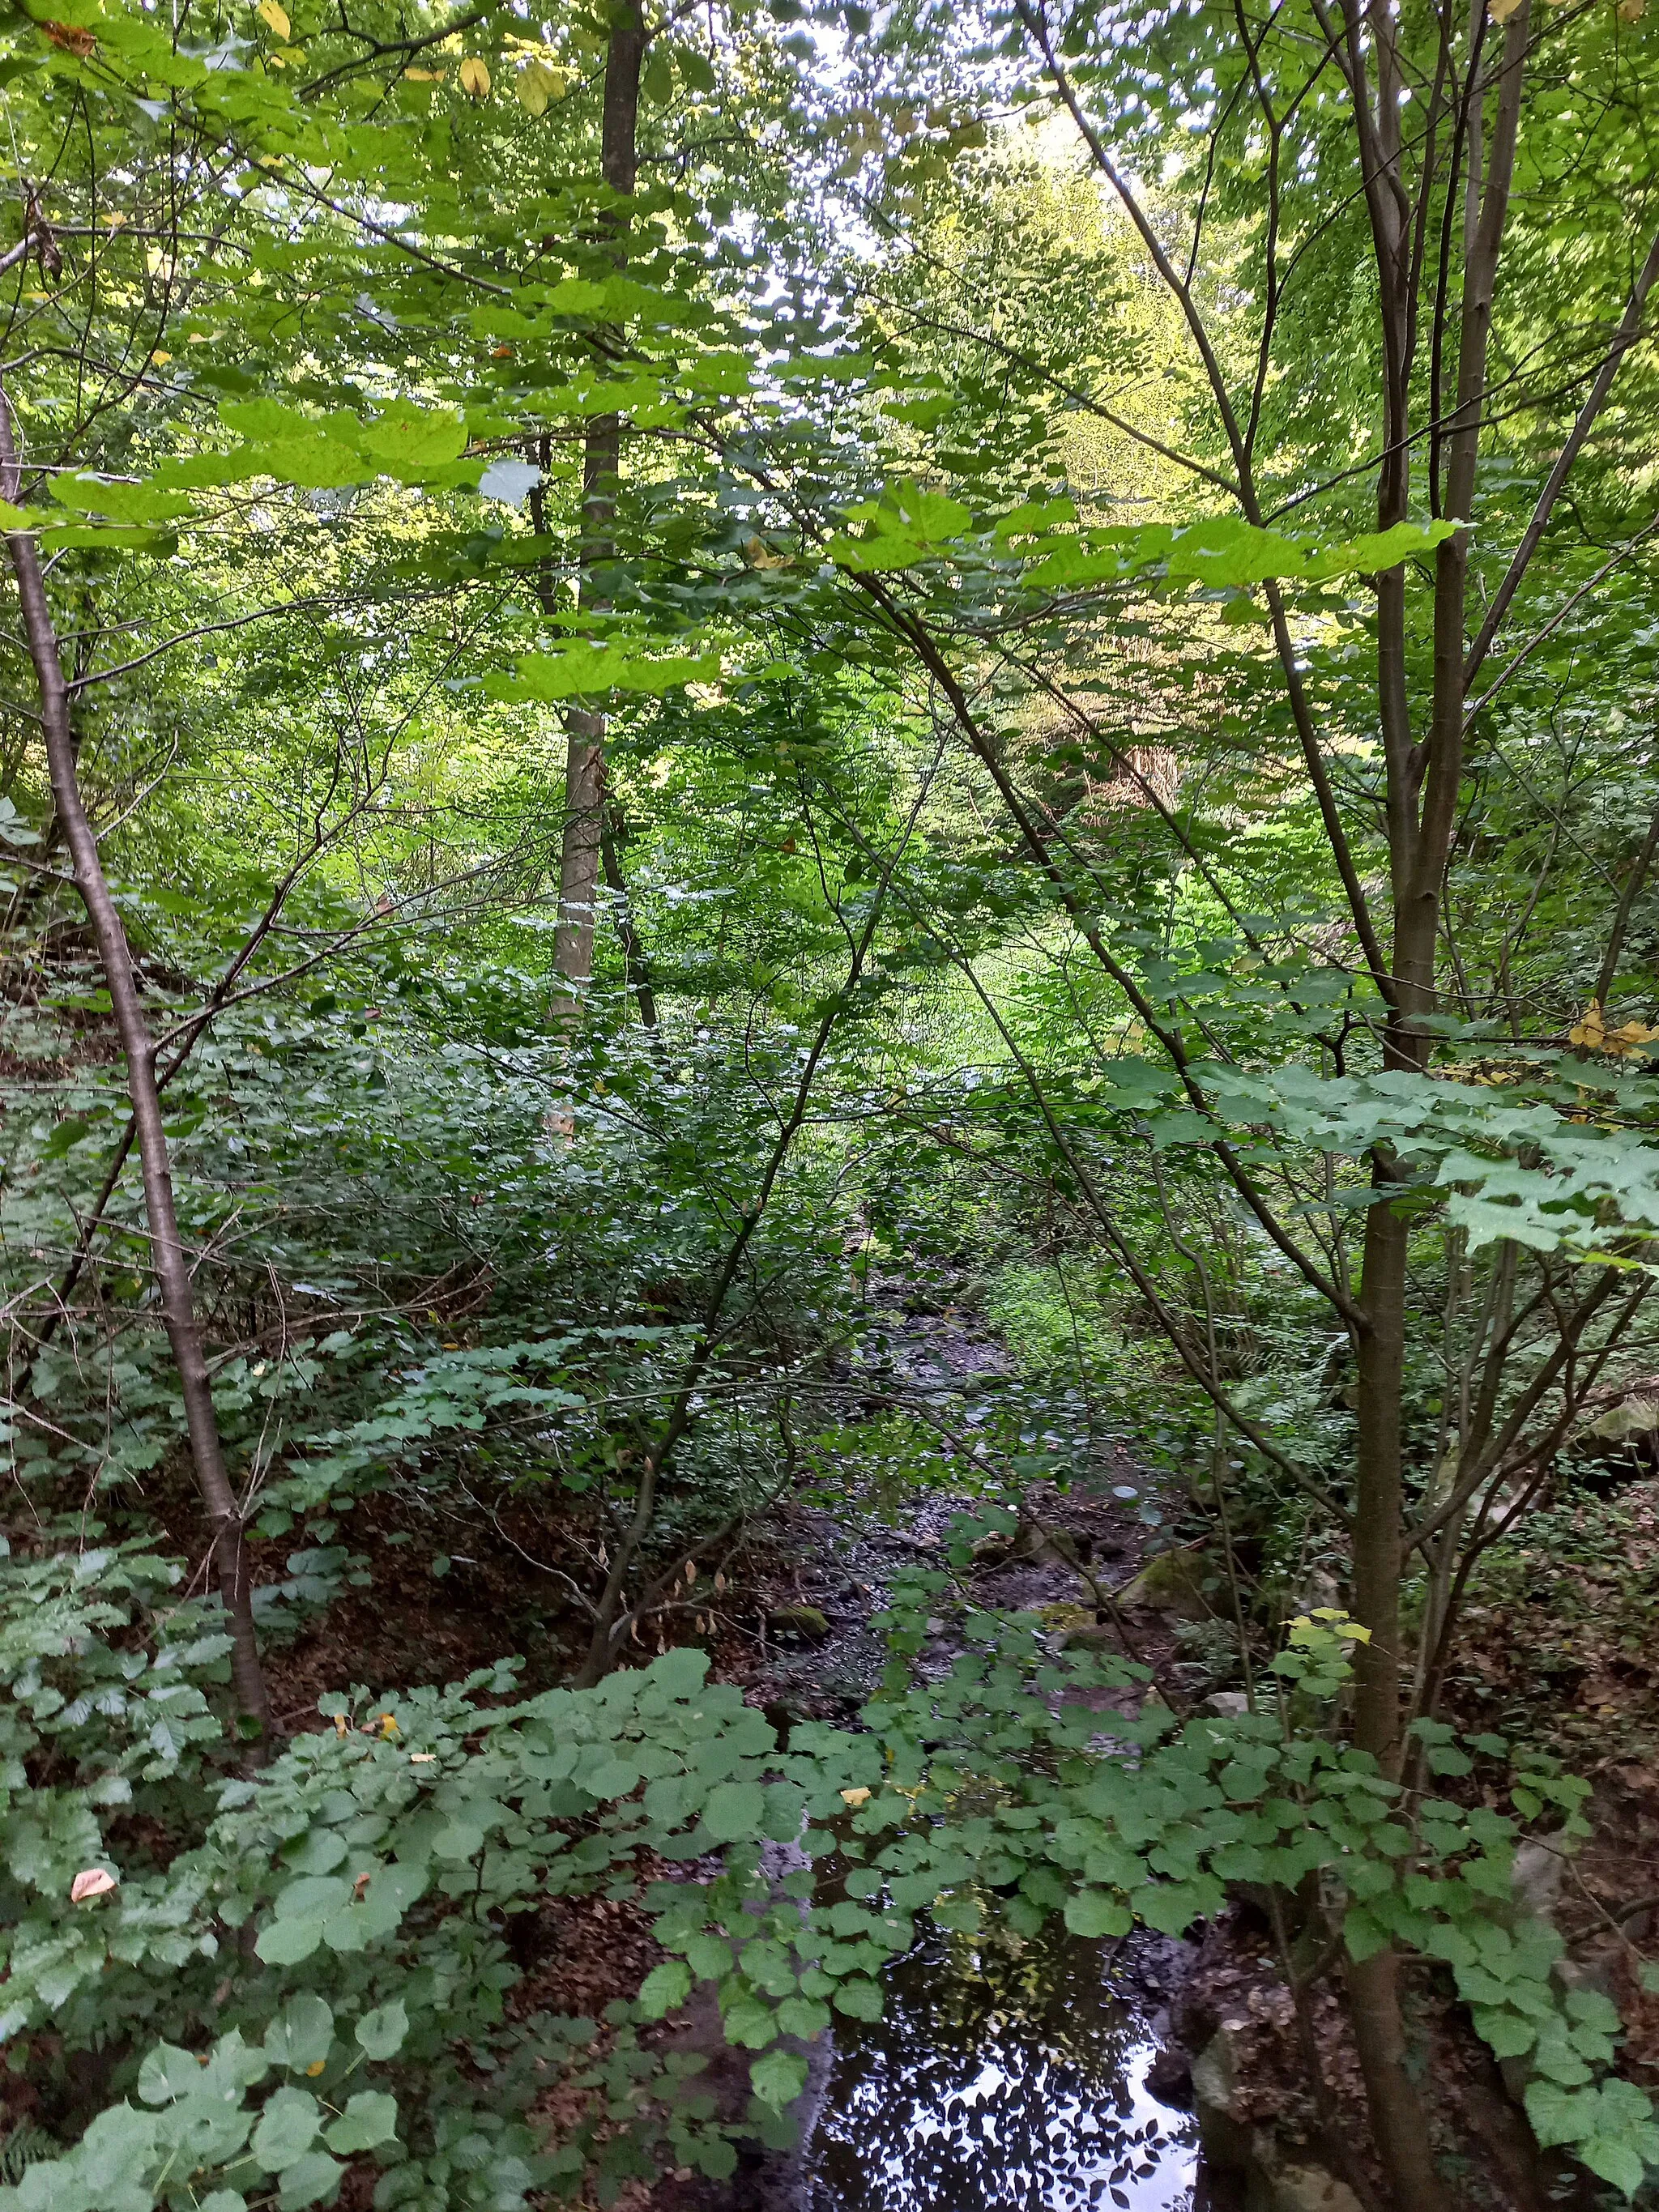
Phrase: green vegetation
[677,683]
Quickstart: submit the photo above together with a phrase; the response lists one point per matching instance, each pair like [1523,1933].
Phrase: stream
[1003,2074]
[1006,2075]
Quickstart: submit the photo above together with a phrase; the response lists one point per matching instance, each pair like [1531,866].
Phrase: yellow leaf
[93,1881]
[316,2067]
[160,360]
[274,13]
[537,82]
[1632,11]
[759,555]
[425,77]
[475,78]
[1501,10]
[855,1797]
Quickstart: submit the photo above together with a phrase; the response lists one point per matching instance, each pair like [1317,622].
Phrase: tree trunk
[167,1251]
[579,857]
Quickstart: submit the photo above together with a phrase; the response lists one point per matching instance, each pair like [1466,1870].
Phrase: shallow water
[1003,2075]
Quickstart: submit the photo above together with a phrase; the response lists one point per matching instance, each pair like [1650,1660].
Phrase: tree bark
[170,1261]
[1422,781]
[581,850]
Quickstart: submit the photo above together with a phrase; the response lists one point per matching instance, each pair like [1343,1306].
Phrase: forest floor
[1562,1642]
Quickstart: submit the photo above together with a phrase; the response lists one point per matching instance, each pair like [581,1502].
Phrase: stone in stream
[1171,1582]
[1275,2180]
[807,1620]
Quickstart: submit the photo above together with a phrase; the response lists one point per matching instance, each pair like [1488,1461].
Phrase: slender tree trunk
[1633,884]
[582,852]
[1423,776]
[171,1263]
[635,960]
[611,826]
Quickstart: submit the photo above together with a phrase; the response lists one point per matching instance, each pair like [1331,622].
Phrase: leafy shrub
[289,1969]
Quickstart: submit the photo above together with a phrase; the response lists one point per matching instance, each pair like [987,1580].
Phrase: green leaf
[1363,1934]
[859,1999]
[320,1850]
[287,2129]
[1616,2160]
[613,1776]
[664,1988]
[306,2179]
[286,1942]
[168,2073]
[300,2035]
[122,503]
[708,1956]
[585,669]
[735,1811]
[680,1672]
[1505,2032]
[1171,1907]
[750,2022]
[1095,1913]
[370,2118]
[803,2016]
[380,2033]
[910,526]
[410,440]
[1229,551]
[1558,2115]
[778,2077]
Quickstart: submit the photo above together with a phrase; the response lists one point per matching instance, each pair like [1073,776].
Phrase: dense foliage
[674,676]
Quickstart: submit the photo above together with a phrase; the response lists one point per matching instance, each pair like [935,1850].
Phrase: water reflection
[1003,2075]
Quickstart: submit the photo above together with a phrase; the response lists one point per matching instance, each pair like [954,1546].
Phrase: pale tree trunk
[167,1252]
[582,852]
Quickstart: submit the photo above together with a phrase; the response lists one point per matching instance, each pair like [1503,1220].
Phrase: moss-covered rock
[799,1620]
[1171,1582]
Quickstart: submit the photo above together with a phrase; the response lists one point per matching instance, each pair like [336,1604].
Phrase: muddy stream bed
[1027,2075]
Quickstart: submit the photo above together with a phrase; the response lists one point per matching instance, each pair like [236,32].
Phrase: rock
[1226,2137]
[799,1620]
[1031,1544]
[1091,1636]
[1275,2180]
[1318,1589]
[1535,1878]
[1170,1582]
[1302,2188]
[1598,1974]
[1169,2075]
[1225,1704]
[1062,1617]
